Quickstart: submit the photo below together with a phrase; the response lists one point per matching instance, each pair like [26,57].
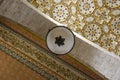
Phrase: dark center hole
[59,40]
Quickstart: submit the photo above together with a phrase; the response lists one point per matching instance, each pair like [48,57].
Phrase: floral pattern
[35,57]
[115,26]
[43,4]
[113,3]
[60,12]
[109,41]
[79,14]
[92,32]
[102,15]
[76,24]
[86,6]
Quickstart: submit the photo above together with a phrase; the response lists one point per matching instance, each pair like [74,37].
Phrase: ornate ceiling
[96,20]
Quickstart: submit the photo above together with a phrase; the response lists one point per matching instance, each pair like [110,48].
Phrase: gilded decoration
[96,20]
[35,57]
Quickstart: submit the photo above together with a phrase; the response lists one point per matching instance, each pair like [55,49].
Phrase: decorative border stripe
[27,63]
[48,58]
[33,38]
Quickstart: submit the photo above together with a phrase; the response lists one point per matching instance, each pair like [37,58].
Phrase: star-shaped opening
[59,41]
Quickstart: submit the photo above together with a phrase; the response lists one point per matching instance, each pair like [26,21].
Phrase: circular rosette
[60,12]
[92,32]
[113,3]
[109,42]
[86,6]
[60,40]
[115,25]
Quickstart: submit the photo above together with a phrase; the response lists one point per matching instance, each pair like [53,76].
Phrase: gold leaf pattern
[80,15]
[24,48]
